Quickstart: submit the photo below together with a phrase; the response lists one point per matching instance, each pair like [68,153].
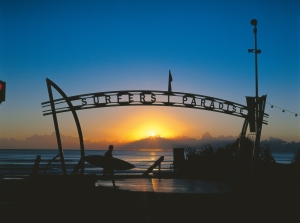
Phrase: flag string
[283,110]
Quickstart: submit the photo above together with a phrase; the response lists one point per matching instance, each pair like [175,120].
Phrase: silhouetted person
[108,165]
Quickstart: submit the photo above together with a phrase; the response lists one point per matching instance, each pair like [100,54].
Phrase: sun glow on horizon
[150,122]
[133,124]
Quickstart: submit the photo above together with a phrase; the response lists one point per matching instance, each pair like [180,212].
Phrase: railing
[157,163]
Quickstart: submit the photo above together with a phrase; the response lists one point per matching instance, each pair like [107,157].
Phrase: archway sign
[147,98]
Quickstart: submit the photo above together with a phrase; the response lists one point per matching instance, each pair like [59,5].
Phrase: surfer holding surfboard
[108,165]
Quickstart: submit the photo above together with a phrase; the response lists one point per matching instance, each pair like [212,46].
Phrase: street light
[256,51]
[257,127]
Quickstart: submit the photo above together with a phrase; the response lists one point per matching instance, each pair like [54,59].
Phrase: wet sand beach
[19,201]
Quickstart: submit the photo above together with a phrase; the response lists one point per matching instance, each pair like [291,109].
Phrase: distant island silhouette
[149,143]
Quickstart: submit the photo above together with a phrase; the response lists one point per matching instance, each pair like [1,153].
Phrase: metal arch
[138,98]
[261,114]
[148,97]
[242,138]
[54,158]
[67,100]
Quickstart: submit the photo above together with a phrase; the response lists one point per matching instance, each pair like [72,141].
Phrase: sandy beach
[20,201]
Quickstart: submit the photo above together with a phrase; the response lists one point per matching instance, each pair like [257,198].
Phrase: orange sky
[134,123]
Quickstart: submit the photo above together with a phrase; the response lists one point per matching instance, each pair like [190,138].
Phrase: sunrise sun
[154,134]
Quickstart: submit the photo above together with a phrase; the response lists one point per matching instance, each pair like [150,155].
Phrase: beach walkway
[168,185]
[145,200]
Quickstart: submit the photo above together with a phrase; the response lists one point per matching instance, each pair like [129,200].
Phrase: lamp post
[255,51]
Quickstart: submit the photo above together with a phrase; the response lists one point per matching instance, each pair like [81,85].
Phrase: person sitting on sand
[108,165]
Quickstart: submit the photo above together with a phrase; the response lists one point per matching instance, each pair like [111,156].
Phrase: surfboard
[118,164]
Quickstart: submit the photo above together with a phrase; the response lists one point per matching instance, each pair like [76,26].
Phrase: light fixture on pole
[256,51]
[257,125]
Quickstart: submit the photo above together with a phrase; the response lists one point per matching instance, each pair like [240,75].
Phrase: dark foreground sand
[21,202]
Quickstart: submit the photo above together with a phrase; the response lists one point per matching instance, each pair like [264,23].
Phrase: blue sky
[95,46]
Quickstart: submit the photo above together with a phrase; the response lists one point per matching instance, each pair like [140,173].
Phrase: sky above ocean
[97,46]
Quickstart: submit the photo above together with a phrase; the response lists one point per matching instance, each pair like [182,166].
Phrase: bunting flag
[170,80]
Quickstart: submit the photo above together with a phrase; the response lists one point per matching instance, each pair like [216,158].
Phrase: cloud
[150,143]
[206,135]
[70,142]
[279,145]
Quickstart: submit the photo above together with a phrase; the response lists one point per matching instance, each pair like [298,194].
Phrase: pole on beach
[257,125]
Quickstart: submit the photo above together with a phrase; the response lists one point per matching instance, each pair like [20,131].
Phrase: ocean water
[14,163]
[20,162]
[284,158]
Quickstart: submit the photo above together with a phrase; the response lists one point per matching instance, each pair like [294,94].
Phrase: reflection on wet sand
[169,185]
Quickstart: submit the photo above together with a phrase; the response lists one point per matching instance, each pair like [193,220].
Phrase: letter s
[153,98]
[83,100]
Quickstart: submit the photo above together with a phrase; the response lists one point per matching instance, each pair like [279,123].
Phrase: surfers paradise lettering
[156,98]
[120,98]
